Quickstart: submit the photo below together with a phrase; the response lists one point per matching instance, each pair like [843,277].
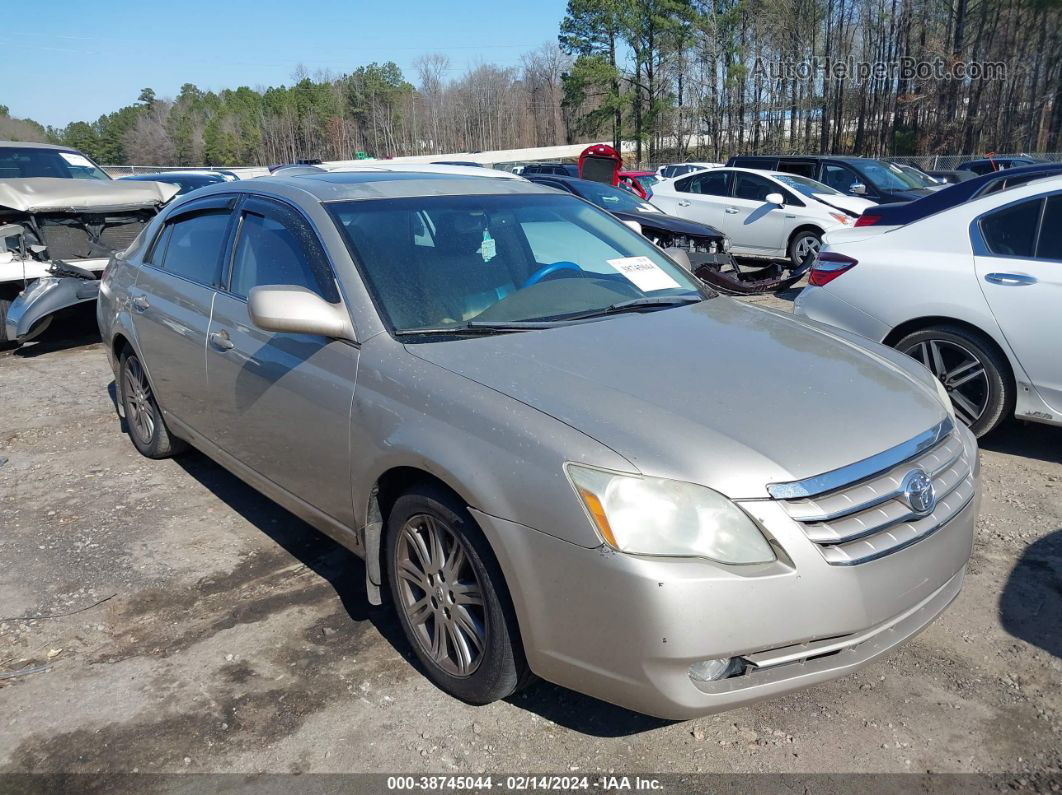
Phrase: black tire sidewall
[503,669]
[1001,392]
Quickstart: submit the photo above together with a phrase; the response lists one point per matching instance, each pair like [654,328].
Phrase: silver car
[559,454]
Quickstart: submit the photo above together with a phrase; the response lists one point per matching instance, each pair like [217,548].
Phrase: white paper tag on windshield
[76,159]
[643,273]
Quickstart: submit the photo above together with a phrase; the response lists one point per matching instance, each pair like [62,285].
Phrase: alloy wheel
[138,400]
[441,595]
[806,244]
[960,371]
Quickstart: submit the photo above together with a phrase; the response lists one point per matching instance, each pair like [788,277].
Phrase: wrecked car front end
[56,237]
[708,251]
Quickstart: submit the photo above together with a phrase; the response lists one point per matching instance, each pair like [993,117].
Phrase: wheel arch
[917,324]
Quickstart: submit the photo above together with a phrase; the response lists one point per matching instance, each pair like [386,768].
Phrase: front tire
[804,242]
[143,418]
[451,599]
[974,373]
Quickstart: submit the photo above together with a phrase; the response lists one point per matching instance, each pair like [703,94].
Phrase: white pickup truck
[61,220]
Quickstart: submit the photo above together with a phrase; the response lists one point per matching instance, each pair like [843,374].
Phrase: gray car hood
[719,393]
[52,194]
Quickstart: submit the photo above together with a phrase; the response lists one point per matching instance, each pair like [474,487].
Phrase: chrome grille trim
[835,479]
[866,519]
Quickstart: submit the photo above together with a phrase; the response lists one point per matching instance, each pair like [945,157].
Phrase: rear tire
[973,371]
[451,598]
[143,418]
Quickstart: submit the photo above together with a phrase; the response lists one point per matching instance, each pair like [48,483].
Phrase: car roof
[35,145]
[332,186]
[161,174]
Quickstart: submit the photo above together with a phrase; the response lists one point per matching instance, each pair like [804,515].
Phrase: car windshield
[923,180]
[614,199]
[646,180]
[886,176]
[808,187]
[19,162]
[439,263]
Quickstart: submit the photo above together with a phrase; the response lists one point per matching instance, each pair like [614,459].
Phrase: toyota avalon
[591,469]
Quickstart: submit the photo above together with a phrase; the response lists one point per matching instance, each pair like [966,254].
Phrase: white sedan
[764,213]
[973,292]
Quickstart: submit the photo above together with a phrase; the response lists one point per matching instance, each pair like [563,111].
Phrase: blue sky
[66,61]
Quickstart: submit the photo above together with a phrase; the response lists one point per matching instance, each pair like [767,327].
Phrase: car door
[282,401]
[171,303]
[842,178]
[754,225]
[698,197]
[1018,256]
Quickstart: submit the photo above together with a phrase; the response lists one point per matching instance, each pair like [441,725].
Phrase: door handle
[220,340]
[731,211]
[1010,279]
[684,203]
[140,303]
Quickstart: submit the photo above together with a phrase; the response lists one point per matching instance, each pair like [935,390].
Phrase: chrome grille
[870,518]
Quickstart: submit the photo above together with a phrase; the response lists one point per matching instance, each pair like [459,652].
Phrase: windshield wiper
[639,305]
[478,327]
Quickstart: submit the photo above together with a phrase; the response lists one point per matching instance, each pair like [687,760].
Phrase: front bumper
[625,629]
[45,297]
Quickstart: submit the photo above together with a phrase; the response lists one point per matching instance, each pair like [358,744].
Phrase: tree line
[675,78]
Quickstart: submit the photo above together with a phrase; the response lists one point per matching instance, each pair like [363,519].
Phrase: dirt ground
[162,616]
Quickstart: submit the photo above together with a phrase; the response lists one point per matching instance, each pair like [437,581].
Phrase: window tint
[713,183]
[839,177]
[1011,232]
[193,246]
[1050,245]
[753,187]
[280,248]
[803,169]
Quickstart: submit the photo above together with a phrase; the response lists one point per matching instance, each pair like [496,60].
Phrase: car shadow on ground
[345,572]
[1030,439]
[1030,607]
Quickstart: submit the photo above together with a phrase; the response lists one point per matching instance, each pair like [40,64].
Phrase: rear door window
[1050,244]
[711,183]
[1011,231]
[191,246]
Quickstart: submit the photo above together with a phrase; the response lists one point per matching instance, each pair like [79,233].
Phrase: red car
[641,182]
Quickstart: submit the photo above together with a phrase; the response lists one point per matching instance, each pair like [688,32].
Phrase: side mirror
[857,188]
[775,198]
[637,227]
[296,310]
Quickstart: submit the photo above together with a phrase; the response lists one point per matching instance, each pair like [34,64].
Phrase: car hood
[52,194]
[852,204]
[721,393]
[670,223]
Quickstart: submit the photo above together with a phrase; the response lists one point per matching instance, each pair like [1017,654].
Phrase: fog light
[714,670]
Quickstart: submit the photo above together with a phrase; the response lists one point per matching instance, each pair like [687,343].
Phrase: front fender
[44,297]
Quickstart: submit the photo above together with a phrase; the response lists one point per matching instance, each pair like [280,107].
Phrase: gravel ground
[165,617]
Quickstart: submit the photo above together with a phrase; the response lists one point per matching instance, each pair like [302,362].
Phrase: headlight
[654,516]
[945,398]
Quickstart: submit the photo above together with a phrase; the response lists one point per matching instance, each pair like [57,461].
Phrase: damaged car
[61,220]
[704,248]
